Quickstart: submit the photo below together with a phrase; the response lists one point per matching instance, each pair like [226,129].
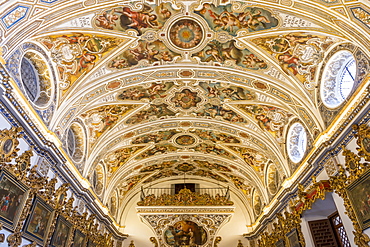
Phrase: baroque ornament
[185,198]
[186,34]
[166,225]
[18,168]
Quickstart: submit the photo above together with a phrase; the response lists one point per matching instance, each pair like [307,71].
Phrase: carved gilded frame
[37,226]
[359,195]
[13,195]
[79,239]
[292,238]
[62,233]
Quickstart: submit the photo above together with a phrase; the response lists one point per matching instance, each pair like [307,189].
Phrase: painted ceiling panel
[146,93]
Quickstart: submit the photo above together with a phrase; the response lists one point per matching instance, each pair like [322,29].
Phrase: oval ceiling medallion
[186,34]
[185,140]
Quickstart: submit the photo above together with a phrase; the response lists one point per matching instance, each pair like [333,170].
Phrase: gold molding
[43,187]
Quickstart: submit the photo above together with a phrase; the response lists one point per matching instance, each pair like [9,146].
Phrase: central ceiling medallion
[185,100]
[185,167]
[185,140]
[186,34]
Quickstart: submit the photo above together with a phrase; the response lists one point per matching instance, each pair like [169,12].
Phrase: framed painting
[61,234]
[359,196]
[280,243]
[90,243]
[13,195]
[38,222]
[293,239]
[78,239]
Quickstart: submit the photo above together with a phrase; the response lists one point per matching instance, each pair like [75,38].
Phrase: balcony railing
[201,197]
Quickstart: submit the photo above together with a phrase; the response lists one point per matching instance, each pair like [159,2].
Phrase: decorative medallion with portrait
[7,146]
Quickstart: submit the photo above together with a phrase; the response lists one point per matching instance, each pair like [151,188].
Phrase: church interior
[184,123]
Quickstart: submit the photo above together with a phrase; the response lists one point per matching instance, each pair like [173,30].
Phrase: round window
[338,79]
[296,142]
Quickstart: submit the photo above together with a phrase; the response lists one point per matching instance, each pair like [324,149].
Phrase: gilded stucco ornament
[292,220]
[185,198]
[44,188]
[363,140]
[346,177]
[186,227]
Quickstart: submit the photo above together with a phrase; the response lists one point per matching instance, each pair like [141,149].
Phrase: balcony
[185,197]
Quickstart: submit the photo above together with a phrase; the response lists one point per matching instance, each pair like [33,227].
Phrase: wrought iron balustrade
[186,197]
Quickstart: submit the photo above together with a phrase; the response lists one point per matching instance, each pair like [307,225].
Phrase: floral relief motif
[362,15]
[240,183]
[212,149]
[157,149]
[154,112]
[221,92]
[162,174]
[208,174]
[160,166]
[185,167]
[14,16]
[212,166]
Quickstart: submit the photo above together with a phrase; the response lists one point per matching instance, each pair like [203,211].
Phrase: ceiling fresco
[143,93]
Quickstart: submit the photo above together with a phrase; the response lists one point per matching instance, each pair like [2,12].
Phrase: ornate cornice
[185,210]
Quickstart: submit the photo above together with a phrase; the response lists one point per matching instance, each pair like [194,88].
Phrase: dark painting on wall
[78,239]
[38,222]
[359,195]
[61,233]
[91,244]
[12,197]
[280,243]
[293,239]
[185,233]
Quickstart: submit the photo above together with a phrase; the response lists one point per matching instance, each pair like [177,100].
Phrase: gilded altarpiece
[185,226]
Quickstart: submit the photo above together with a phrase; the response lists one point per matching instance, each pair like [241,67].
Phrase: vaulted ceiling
[140,93]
